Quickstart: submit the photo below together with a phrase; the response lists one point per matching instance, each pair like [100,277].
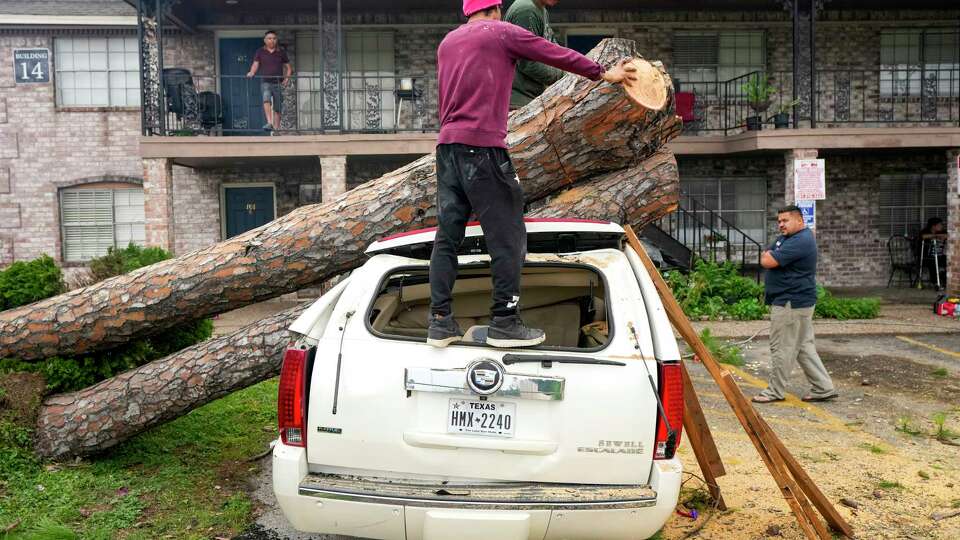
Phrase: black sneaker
[511,332]
[443,330]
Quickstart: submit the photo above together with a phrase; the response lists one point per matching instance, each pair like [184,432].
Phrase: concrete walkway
[894,319]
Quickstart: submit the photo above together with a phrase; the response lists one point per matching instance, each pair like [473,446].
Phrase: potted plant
[781,120]
[758,92]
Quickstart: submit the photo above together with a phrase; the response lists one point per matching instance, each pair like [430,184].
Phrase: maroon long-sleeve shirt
[475,66]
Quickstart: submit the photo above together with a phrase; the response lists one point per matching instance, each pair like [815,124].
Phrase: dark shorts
[272,91]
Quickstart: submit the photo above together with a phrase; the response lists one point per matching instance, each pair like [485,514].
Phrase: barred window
[93,220]
[907,201]
[908,57]
[739,201]
[702,59]
[97,72]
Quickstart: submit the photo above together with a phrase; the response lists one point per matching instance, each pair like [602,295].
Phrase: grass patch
[887,484]
[923,474]
[940,430]
[955,503]
[697,498]
[873,448]
[905,425]
[160,483]
[724,352]
[939,373]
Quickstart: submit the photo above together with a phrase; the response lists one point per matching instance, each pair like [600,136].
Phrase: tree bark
[98,417]
[577,129]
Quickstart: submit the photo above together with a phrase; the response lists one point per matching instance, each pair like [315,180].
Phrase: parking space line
[928,346]
[791,401]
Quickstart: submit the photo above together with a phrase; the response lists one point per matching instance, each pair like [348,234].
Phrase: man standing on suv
[532,78]
[791,293]
[475,67]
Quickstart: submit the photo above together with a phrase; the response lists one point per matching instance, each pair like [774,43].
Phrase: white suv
[383,436]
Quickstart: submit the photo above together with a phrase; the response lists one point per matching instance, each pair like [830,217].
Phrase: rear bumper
[372,508]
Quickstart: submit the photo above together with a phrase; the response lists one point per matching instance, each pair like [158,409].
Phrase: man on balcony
[275,70]
[475,66]
[791,292]
[532,78]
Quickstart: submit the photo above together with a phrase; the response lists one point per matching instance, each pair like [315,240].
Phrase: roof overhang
[98,21]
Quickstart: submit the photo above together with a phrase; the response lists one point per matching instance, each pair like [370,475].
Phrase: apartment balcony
[843,98]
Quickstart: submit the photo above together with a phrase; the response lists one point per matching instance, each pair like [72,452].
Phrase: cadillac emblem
[485,376]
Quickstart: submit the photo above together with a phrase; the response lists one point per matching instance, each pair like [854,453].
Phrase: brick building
[145,129]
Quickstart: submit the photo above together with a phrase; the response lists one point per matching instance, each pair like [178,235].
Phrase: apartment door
[242,102]
[247,207]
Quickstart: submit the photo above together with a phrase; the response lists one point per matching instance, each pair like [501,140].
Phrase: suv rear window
[569,302]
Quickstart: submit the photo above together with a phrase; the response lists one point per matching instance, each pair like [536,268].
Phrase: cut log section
[576,130]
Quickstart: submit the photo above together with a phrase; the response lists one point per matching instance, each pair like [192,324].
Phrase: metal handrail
[702,238]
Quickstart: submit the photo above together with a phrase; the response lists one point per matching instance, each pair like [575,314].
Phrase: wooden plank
[810,488]
[701,440]
[761,438]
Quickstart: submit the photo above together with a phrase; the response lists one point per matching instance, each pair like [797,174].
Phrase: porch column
[158,202]
[333,177]
[953,220]
[789,158]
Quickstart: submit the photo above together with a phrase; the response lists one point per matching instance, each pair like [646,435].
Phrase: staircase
[697,232]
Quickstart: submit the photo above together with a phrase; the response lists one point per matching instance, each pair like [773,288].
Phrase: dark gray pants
[472,179]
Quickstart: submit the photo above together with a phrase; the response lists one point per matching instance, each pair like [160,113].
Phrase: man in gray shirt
[532,78]
[790,289]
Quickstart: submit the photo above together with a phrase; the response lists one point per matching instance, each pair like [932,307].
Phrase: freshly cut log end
[650,89]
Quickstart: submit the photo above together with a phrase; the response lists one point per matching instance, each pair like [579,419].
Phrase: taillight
[671,395]
[291,408]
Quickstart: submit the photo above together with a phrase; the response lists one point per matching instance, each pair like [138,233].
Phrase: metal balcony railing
[233,105]
[894,96]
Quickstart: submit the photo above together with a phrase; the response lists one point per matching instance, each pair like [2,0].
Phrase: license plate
[491,418]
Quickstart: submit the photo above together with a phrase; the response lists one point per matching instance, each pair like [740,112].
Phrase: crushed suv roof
[544,235]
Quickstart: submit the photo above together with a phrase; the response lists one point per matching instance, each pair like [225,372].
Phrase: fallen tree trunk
[98,417]
[577,129]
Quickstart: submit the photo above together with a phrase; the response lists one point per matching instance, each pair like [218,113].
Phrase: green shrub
[831,307]
[25,282]
[747,309]
[724,352]
[715,290]
[68,373]
[121,261]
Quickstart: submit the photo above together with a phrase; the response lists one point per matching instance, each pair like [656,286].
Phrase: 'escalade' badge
[485,376]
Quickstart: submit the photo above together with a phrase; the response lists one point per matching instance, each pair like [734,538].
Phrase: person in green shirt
[532,78]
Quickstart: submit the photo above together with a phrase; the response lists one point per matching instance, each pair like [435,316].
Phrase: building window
[741,202]
[907,201]
[701,60]
[368,82]
[310,194]
[583,40]
[94,219]
[915,62]
[97,72]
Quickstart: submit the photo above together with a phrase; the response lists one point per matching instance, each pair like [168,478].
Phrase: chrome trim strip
[454,381]
[323,493]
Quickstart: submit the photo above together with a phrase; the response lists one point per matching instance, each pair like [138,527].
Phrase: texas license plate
[491,418]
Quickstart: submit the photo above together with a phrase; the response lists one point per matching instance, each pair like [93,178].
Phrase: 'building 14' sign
[31,65]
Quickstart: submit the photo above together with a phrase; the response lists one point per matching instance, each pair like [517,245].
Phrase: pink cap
[472,6]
